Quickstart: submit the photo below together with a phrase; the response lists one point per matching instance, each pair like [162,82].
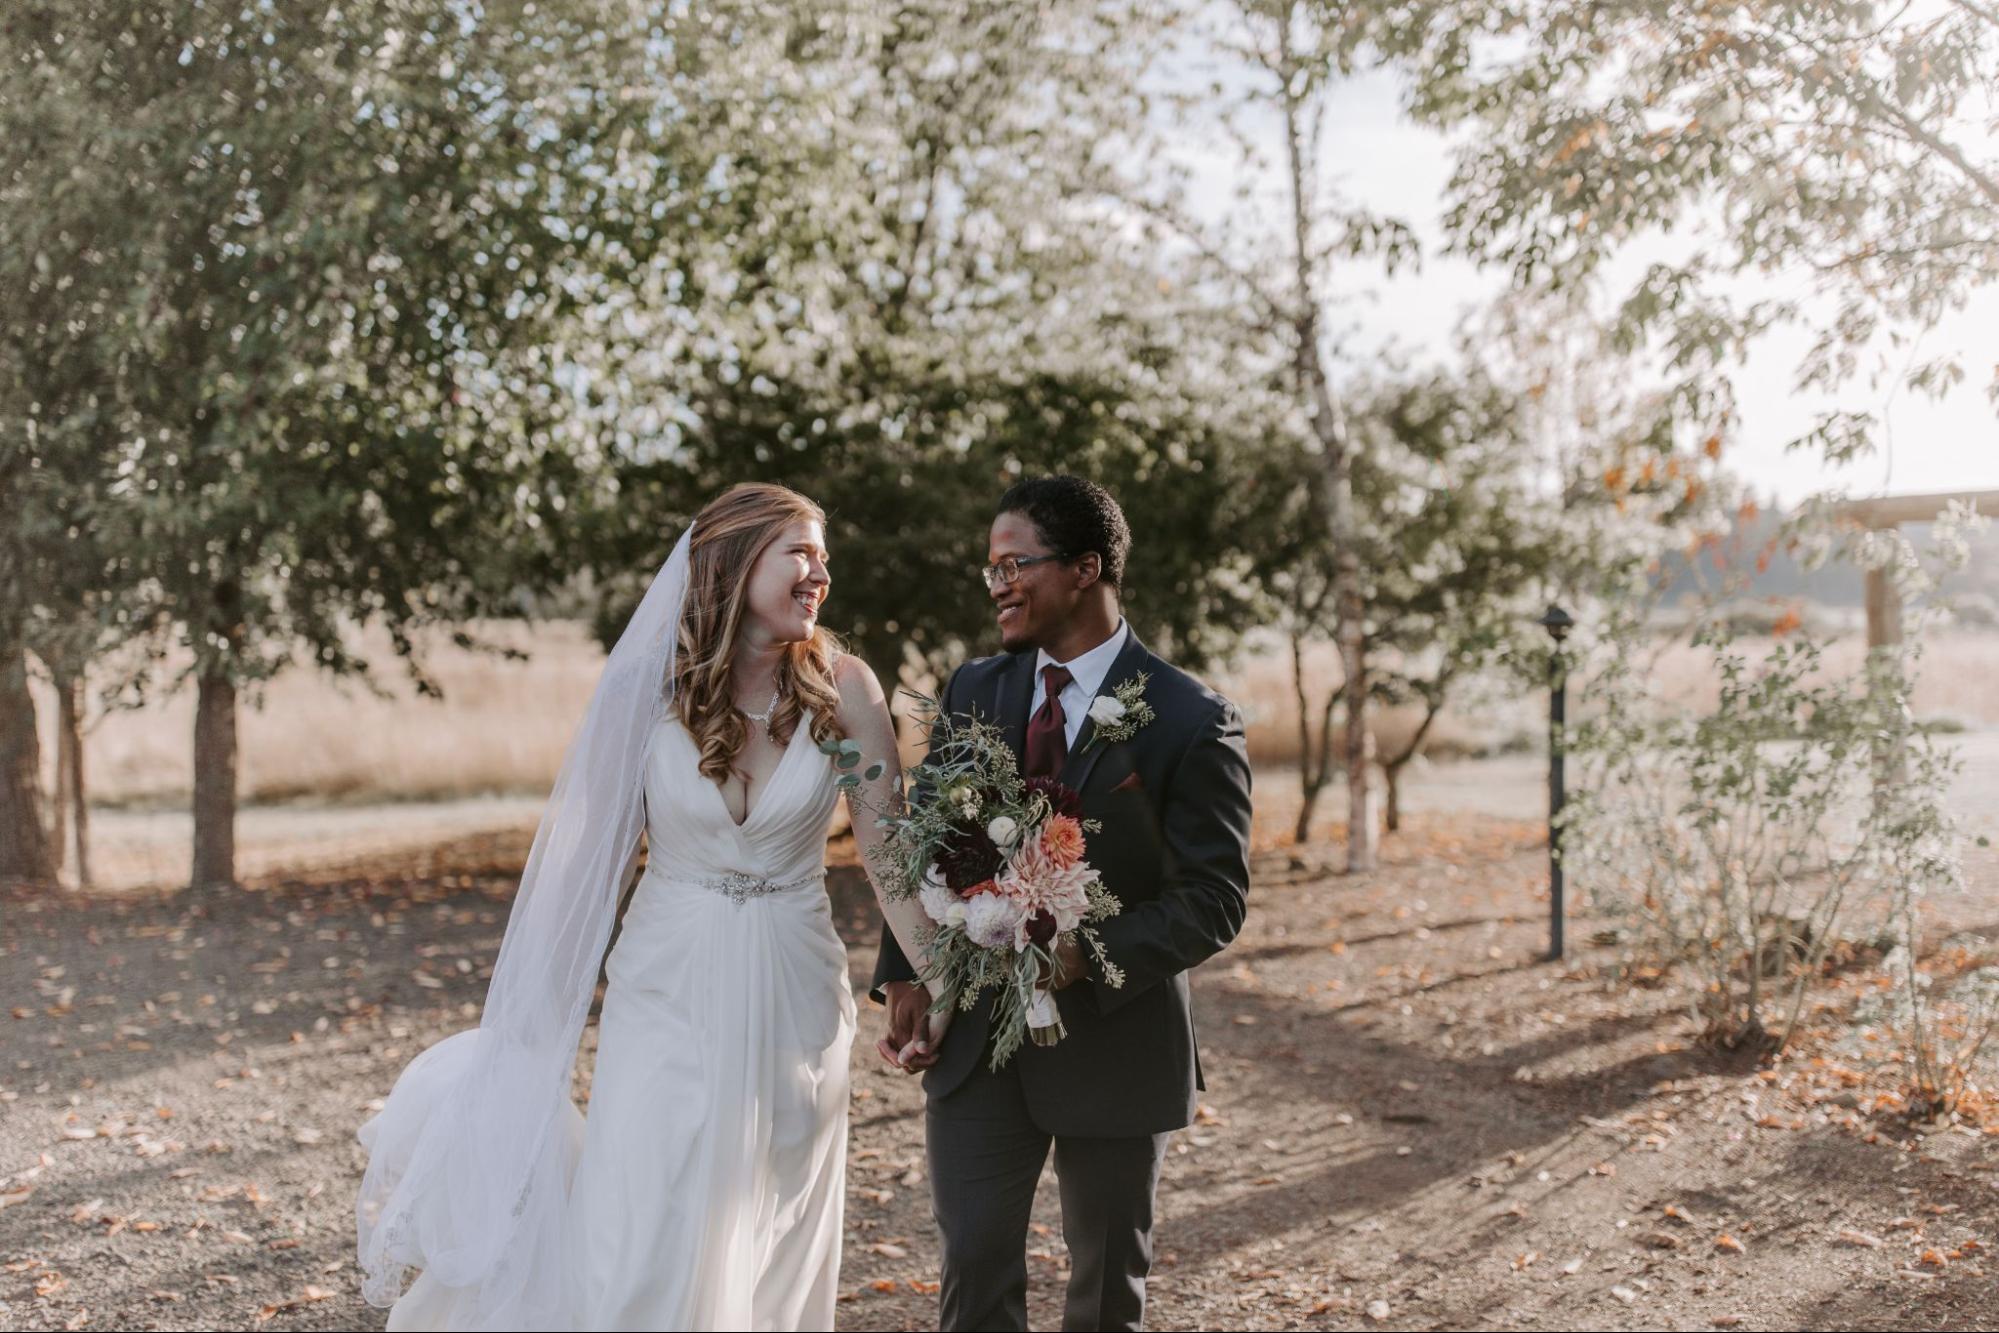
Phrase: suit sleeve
[891,964]
[1200,909]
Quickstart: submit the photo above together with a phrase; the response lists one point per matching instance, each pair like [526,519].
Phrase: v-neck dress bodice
[694,841]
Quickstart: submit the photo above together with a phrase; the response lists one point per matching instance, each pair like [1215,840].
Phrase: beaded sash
[739,887]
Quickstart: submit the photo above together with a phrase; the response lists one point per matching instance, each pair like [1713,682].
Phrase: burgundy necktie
[1047,735]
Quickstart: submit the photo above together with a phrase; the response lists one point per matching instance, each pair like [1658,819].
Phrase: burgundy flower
[1041,927]
[968,857]
[1063,800]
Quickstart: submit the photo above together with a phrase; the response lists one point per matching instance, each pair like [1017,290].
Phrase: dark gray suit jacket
[1174,850]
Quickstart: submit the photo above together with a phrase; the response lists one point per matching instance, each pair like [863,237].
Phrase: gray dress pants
[986,1154]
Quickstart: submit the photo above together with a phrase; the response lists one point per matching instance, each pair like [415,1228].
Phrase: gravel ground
[1413,1122]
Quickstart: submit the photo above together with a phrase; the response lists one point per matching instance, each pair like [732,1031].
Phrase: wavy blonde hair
[730,533]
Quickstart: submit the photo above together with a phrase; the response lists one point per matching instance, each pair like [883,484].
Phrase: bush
[1794,826]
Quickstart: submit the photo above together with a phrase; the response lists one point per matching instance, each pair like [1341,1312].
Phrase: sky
[1377,157]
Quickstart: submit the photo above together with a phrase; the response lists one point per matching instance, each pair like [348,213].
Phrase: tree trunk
[72,840]
[214,781]
[1310,778]
[1391,769]
[1329,428]
[24,844]
[59,798]
[1362,855]
[1302,830]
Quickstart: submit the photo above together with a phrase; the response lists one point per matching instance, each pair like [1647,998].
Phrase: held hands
[914,1033]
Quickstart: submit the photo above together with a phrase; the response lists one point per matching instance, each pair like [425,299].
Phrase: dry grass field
[502,724]
[501,727]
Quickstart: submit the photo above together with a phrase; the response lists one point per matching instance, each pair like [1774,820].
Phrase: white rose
[1106,711]
[1003,830]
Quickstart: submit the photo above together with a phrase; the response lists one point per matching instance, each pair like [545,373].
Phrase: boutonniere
[1120,713]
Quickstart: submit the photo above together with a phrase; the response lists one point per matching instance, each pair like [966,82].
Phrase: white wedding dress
[708,1188]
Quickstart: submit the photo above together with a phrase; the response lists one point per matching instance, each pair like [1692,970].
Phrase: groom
[1173,800]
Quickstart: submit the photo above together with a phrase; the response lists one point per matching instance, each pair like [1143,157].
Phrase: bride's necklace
[762,719]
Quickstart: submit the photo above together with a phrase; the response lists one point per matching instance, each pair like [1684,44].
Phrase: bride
[705,1188]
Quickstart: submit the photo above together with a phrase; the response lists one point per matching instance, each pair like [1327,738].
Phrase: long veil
[470,1157]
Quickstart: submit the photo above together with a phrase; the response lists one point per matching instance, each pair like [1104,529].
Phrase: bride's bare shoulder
[859,688]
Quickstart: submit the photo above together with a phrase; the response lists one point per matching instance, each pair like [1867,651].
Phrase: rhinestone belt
[739,887]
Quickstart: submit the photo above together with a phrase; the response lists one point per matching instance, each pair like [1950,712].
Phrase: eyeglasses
[1007,571]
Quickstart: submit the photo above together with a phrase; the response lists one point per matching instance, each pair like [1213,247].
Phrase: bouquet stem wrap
[1044,1020]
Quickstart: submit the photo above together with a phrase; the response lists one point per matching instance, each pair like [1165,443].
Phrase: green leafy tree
[1811,164]
[1280,262]
[340,255]
[922,298]
[1456,547]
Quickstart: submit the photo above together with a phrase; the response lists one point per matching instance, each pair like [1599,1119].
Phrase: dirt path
[1408,1112]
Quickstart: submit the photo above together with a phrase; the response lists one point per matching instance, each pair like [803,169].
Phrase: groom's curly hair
[1075,517]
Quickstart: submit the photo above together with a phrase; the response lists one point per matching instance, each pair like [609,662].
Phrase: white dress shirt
[1087,672]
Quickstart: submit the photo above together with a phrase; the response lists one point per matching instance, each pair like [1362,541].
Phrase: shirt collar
[1088,669]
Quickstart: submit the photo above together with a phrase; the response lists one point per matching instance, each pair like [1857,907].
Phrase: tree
[915,492]
[1461,551]
[1833,146]
[1280,278]
[1455,544]
[340,252]
[924,298]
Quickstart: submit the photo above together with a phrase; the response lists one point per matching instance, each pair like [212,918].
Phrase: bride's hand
[930,1035]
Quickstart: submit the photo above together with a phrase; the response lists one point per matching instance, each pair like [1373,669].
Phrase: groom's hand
[1069,964]
[905,1046]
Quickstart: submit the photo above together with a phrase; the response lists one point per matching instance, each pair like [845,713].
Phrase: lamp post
[1558,623]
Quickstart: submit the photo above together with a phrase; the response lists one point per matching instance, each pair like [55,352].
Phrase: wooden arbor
[1884,604]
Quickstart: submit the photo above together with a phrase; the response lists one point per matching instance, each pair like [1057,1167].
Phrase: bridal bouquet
[997,863]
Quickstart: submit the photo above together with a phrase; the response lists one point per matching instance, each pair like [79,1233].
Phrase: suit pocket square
[1130,783]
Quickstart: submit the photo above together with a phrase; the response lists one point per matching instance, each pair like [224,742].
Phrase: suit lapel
[1016,692]
[1083,755]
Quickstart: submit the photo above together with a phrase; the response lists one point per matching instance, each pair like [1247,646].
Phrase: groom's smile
[1017,605]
